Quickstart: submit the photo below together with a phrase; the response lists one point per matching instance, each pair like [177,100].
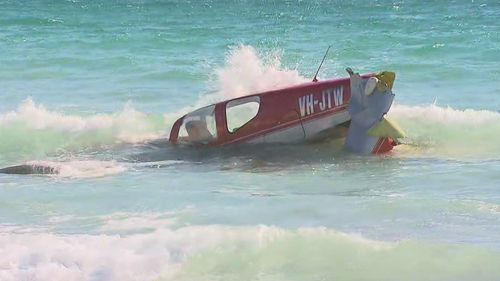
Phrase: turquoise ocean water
[91,88]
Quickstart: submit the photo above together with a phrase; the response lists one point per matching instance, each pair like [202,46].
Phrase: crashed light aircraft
[353,108]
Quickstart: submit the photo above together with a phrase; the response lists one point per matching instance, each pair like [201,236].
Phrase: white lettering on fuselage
[306,104]
[329,98]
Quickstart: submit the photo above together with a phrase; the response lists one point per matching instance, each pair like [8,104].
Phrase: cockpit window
[239,112]
[199,126]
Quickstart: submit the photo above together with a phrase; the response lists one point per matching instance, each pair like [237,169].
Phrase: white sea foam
[33,131]
[216,252]
[128,125]
[245,72]
[33,127]
[445,115]
[447,131]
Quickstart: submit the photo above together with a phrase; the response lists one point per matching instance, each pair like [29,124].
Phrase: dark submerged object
[28,169]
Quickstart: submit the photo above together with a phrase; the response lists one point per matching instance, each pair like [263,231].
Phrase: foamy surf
[445,131]
[216,252]
[33,130]
[128,125]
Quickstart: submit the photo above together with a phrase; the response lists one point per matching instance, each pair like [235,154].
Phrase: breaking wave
[451,132]
[216,252]
[34,131]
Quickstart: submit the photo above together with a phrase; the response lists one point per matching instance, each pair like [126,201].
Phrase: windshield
[198,127]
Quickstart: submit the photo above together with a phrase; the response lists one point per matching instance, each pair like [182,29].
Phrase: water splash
[245,72]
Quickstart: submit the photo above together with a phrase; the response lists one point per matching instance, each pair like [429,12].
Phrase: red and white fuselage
[309,111]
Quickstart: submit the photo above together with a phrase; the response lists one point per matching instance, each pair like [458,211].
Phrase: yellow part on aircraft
[386,128]
[386,78]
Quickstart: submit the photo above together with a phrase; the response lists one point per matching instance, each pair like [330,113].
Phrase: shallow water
[91,89]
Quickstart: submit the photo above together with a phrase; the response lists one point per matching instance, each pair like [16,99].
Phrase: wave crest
[217,252]
[33,130]
[447,131]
